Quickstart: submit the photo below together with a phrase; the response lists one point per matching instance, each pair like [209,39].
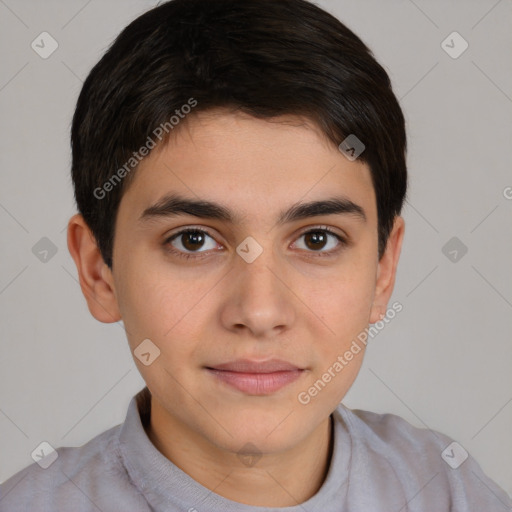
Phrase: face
[253,302]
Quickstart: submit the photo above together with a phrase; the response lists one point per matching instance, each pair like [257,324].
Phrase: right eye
[185,243]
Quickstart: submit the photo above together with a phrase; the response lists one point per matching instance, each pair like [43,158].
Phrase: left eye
[318,239]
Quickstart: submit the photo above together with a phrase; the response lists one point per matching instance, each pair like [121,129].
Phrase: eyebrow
[173,205]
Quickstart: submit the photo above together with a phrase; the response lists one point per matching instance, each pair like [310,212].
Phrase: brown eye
[189,241]
[316,240]
[193,240]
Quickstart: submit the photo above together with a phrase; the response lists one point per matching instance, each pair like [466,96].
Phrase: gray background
[444,362]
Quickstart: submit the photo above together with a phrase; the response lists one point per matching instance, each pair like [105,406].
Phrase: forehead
[252,166]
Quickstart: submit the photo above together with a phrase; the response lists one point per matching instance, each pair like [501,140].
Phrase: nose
[260,298]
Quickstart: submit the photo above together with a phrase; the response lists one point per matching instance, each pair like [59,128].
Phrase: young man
[239,169]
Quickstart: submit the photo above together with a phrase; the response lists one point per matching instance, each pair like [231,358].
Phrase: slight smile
[256,378]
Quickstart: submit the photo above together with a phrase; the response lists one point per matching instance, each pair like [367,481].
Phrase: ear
[386,271]
[95,277]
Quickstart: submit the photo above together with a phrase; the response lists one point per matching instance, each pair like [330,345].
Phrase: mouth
[256,378]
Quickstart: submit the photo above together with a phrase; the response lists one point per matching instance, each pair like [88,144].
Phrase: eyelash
[200,255]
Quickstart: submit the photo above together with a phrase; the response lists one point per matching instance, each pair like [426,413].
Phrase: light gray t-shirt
[380,463]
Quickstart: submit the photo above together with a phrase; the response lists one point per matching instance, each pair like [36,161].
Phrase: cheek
[343,303]
[158,305]
[343,300]
[148,305]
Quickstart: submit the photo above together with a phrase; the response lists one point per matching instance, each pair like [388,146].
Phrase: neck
[281,479]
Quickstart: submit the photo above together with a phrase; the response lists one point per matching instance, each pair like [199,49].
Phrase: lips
[256,377]
[248,366]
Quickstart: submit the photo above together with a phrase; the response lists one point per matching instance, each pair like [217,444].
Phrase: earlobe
[386,271]
[95,277]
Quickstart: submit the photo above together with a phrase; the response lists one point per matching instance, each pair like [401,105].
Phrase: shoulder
[383,431]
[79,479]
[422,465]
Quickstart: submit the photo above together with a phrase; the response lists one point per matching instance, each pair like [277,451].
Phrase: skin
[290,303]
